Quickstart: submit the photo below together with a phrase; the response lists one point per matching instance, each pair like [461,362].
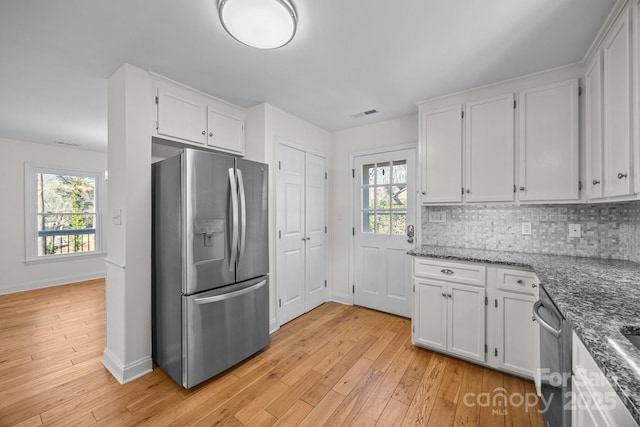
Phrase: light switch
[116,217]
[437,216]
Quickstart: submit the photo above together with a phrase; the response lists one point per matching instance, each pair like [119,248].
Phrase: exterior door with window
[384,208]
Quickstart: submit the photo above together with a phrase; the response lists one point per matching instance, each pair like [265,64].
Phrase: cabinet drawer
[469,274]
[517,281]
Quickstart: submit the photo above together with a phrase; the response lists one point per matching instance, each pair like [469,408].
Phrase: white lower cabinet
[595,402]
[451,318]
[478,313]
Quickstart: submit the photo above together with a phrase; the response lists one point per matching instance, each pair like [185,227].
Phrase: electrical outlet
[437,216]
[574,230]
[526,229]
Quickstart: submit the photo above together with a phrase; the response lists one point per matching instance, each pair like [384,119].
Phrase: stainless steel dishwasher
[553,381]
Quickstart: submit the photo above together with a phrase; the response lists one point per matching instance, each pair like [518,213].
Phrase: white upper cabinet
[636,98]
[616,51]
[181,116]
[225,131]
[549,143]
[489,148]
[191,117]
[441,148]
[594,140]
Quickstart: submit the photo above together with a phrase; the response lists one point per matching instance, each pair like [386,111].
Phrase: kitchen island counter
[598,296]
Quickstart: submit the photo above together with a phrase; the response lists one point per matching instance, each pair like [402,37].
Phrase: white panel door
[315,235]
[617,107]
[384,206]
[466,314]
[430,314]
[291,243]
[441,147]
[593,110]
[518,340]
[489,148]
[548,142]
[301,216]
[181,117]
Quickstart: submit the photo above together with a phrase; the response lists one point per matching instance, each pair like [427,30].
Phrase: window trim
[31,170]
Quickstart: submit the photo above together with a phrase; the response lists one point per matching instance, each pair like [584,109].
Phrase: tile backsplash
[609,230]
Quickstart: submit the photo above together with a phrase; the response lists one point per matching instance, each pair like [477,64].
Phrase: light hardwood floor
[337,365]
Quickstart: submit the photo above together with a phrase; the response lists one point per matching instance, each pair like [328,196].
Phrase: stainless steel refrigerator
[210,263]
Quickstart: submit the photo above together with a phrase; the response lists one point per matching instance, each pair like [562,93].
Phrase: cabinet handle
[622,175]
[595,182]
[533,285]
[210,133]
[204,132]
[444,295]
[446,271]
[521,188]
[519,282]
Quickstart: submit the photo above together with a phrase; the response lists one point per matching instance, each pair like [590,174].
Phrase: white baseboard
[341,298]
[38,284]
[273,325]
[129,372]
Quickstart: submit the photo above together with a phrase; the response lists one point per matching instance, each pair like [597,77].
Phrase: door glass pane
[368,174]
[382,223]
[400,171]
[368,225]
[399,220]
[383,198]
[399,196]
[368,198]
[382,173]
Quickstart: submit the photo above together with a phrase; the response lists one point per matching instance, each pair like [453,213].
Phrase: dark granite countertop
[598,296]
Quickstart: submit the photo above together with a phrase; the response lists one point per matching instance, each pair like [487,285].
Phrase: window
[63,216]
[384,197]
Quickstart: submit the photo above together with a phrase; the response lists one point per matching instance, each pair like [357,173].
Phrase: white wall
[264,124]
[16,275]
[384,134]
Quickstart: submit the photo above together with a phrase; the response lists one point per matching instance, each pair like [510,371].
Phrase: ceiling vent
[364,113]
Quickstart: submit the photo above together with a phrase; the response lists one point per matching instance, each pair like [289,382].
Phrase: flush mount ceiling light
[263,24]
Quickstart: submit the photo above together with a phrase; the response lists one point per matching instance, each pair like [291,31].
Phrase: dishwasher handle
[547,327]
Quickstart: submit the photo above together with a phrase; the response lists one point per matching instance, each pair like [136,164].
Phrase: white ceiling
[347,57]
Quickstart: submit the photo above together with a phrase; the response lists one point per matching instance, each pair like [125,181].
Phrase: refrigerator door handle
[222,297]
[243,217]
[234,208]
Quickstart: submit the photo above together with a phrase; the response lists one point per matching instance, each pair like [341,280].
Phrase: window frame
[31,171]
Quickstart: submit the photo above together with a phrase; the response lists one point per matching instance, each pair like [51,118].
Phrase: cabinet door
[442,155]
[181,117]
[430,314]
[226,131]
[517,350]
[465,319]
[593,110]
[489,148]
[548,143]
[617,107]
[585,411]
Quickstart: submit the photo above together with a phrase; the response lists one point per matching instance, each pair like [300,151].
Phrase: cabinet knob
[468,191]
[521,188]
[595,182]
[204,132]
[424,193]
[533,285]
[519,282]
[210,133]
[444,295]
[622,175]
[449,295]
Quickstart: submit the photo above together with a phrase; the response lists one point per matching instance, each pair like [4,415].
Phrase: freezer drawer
[223,327]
